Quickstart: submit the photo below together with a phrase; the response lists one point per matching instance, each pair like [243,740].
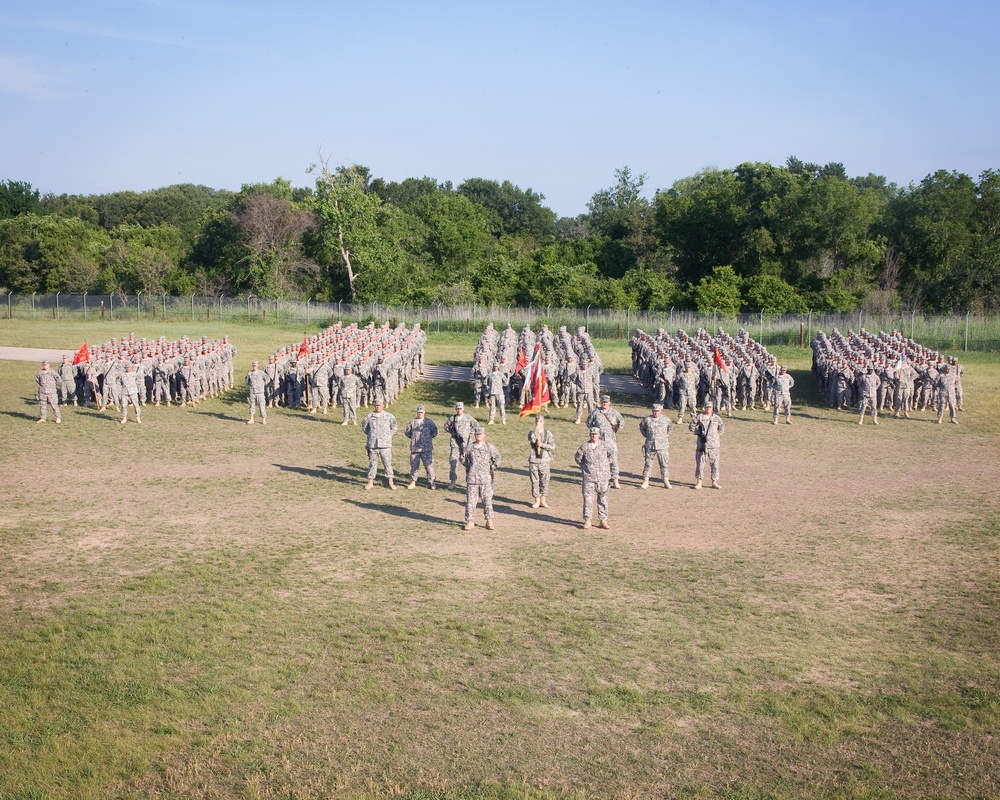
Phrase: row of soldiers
[569,362]
[178,371]
[687,372]
[885,371]
[350,365]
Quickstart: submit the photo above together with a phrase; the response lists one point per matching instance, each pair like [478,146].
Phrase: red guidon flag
[718,359]
[83,354]
[522,361]
[537,385]
[303,349]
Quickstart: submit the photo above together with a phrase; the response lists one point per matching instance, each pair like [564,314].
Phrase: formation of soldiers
[570,363]
[685,372]
[144,371]
[874,373]
[348,365]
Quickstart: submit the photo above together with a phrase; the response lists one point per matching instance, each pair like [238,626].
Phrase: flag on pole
[83,354]
[717,358]
[303,349]
[537,384]
[522,361]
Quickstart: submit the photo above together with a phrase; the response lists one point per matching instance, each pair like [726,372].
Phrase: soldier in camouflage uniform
[379,426]
[594,460]
[656,429]
[47,381]
[129,393]
[542,444]
[257,392]
[946,387]
[480,459]
[781,390]
[708,427]
[495,388]
[687,384]
[421,432]
[350,392]
[67,381]
[610,422]
[869,395]
[459,425]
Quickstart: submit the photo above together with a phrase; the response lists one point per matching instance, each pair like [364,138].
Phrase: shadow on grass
[400,511]
[327,472]
[20,415]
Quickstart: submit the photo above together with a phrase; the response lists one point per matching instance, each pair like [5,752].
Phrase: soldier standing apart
[542,443]
[594,460]
[129,393]
[481,460]
[421,432]
[350,391]
[687,383]
[379,426]
[656,428]
[47,381]
[708,427]
[460,426]
[782,391]
[610,422]
[869,395]
[257,389]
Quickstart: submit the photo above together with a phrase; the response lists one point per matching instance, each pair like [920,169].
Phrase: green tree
[719,291]
[16,198]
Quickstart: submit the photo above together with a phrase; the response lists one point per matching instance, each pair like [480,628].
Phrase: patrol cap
[478,430]
[539,418]
[421,409]
[459,405]
[255,364]
[657,406]
[595,431]
[709,404]
[605,398]
[784,368]
[379,401]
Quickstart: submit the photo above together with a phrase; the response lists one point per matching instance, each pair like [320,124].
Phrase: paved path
[616,384]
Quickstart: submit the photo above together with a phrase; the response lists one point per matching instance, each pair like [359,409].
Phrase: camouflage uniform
[610,422]
[708,427]
[129,393]
[594,460]
[656,428]
[481,460]
[47,381]
[460,427]
[379,426]
[421,433]
[543,444]
[257,391]
[781,389]
[947,386]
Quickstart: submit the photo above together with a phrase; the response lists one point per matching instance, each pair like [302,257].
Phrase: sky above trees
[137,94]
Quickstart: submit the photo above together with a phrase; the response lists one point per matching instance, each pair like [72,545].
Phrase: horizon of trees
[756,237]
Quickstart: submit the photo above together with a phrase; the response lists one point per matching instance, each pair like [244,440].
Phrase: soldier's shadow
[19,415]
[399,511]
[505,506]
[326,472]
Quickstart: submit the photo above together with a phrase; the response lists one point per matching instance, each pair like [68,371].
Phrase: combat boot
[544,501]
[875,420]
[392,486]
[604,524]
[489,525]
[645,482]
[577,421]
[451,485]
[667,484]
[413,485]
[697,485]
[716,485]
[616,484]
[250,421]
[469,526]
[369,485]
[536,503]
[586,524]
[263,421]
[344,422]
[431,486]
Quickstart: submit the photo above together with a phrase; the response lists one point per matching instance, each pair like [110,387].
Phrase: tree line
[782,239]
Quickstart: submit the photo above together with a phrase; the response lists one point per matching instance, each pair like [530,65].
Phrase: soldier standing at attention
[496,386]
[460,426]
[782,391]
[421,433]
[350,391]
[869,395]
[610,422]
[129,393]
[67,381]
[379,426]
[708,427]
[542,444]
[656,429]
[687,383]
[946,386]
[257,388]
[594,460]
[481,460]
[47,381]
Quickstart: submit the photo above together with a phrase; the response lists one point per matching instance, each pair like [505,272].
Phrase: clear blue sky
[554,96]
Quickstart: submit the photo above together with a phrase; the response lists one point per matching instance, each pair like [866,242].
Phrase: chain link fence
[949,333]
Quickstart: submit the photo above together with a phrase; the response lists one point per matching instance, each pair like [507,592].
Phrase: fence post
[137,309]
[85,305]
[164,306]
[57,304]
[912,315]
[966,331]
[192,308]
[32,305]
[111,305]
[762,326]
[10,308]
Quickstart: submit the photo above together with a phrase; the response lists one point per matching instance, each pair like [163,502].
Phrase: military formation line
[885,371]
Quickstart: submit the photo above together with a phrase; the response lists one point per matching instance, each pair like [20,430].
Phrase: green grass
[198,609]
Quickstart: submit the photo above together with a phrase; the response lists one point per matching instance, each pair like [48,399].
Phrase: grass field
[196,608]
